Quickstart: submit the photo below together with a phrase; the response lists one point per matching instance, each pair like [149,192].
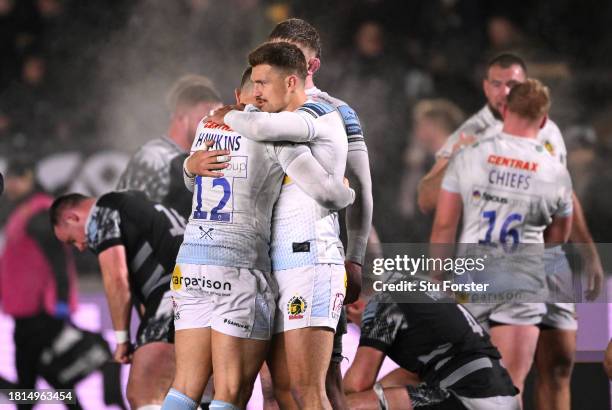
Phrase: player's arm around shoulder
[272,127]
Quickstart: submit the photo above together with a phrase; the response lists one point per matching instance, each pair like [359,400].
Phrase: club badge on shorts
[296,307]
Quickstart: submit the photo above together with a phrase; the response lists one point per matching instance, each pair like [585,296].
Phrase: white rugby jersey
[511,188]
[303,232]
[359,215]
[230,220]
[484,123]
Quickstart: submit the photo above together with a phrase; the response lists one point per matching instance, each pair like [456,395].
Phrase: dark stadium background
[82,86]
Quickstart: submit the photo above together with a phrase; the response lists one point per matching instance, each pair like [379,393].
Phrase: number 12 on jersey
[216,207]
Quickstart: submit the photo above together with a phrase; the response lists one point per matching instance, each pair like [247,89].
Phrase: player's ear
[292,82]
[313,65]
[543,123]
[237,95]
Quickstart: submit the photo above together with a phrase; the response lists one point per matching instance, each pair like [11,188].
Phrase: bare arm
[400,377]
[444,230]
[362,373]
[429,186]
[114,269]
[581,236]
[558,231]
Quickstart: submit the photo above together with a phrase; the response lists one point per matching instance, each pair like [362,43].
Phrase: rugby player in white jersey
[508,190]
[557,341]
[307,255]
[359,215]
[224,297]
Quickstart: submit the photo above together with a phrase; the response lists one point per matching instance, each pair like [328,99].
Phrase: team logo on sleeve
[177,278]
[296,307]
[549,147]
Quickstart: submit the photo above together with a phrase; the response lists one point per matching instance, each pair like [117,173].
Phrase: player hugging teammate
[260,268]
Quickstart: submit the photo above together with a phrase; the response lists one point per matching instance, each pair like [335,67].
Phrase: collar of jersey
[171,142]
[517,137]
[312,91]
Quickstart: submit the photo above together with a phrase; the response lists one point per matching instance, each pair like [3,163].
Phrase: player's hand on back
[218,114]
[464,140]
[123,353]
[205,162]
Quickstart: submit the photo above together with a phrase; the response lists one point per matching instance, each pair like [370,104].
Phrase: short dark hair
[506,60]
[283,55]
[62,203]
[298,31]
[191,90]
[246,77]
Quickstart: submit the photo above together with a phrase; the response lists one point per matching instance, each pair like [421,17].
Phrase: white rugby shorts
[234,301]
[309,296]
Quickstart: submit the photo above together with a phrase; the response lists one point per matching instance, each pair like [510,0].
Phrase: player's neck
[297,100]
[177,134]
[309,82]
[522,129]
[86,205]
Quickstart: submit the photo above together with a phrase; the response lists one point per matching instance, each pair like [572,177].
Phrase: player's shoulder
[316,108]
[347,113]
[121,199]
[478,124]
[157,150]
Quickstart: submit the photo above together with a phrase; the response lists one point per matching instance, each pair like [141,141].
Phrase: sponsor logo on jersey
[177,279]
[498,160]
[215,126]
[476,195]
[485,196]
[296,307]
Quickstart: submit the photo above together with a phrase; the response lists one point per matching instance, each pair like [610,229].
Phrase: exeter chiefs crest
[296,307]
[549,147]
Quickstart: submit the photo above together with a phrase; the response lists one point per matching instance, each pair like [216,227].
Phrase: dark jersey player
[136,242]
[443,344]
